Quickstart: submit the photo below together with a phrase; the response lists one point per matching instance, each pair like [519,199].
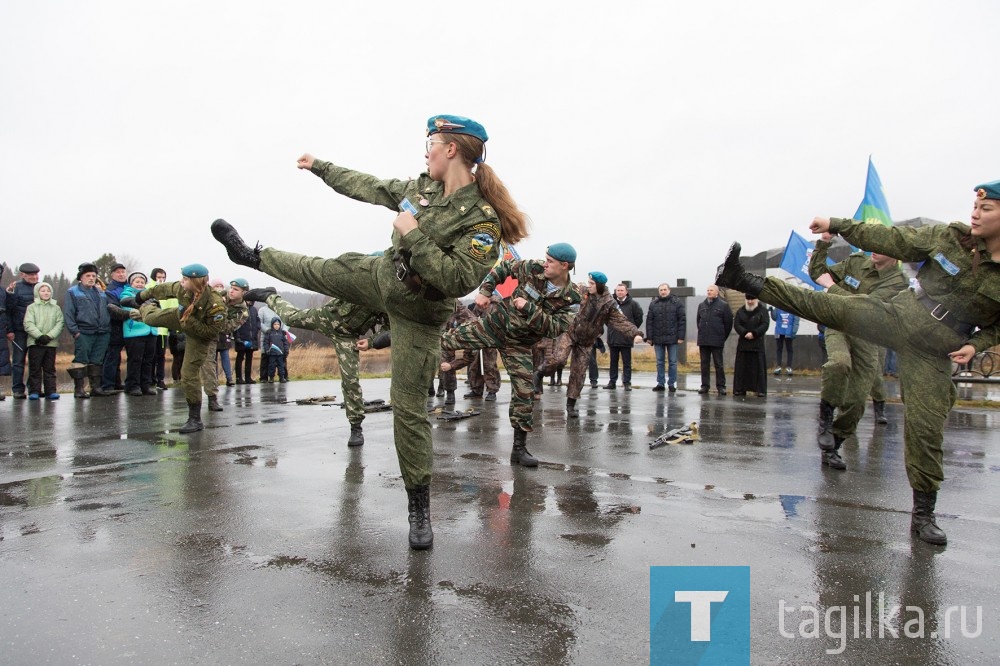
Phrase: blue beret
[598,277]
[456,125]
[988,190]
[194,270]
[561,252]
[241,283]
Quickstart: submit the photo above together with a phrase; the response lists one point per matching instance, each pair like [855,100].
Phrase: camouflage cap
[988,190]
[456,125]
[561,252]
[598,277]
[194,271]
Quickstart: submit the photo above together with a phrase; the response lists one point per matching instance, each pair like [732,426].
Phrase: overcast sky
[649,135]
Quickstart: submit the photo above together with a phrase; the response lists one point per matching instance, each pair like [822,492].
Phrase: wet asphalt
[264,540]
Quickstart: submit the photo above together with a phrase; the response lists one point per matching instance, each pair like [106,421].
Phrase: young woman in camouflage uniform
[931,325]
[200,315]
[444,242]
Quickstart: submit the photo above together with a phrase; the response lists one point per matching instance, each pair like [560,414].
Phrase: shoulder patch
[488,210]
[485,238]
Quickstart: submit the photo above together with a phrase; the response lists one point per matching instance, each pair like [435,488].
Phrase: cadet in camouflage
[236,313]
[541,306]
[599,309]
[852,368]
[931,325]
[444,242]
[449,362]
[343,323]
[483,370]
[200,315]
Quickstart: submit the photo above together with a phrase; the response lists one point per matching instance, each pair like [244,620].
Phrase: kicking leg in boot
[238,251]
[520,455]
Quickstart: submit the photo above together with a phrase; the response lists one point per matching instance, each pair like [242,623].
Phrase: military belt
[412,280]
[943,315]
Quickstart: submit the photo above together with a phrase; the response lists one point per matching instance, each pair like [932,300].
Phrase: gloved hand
[129,302]
[134,315]
[247,344]
[43,340]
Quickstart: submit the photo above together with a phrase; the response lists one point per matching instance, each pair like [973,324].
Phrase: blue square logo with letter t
[699,615]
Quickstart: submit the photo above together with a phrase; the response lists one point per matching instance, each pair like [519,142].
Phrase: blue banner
[796,259]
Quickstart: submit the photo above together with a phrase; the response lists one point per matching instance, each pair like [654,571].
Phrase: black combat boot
[519,455]
[537,381]
[879,406]
[421,534]
[260,294]
[474,393]
[825,435]
[238,251]
[79,375]
[440,391]
[213,404]
[357,438]
[430,390]
[831,458]
[571,410]
[922,522]
[732,275]
[94,373]
[193,423]
[491,396]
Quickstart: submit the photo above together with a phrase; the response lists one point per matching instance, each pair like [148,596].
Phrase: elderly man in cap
[20,294]
[541,306]
[236,314]
[87,319]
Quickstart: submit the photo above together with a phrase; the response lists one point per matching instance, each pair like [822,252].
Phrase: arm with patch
[459,269]
[500,272]
[362,186]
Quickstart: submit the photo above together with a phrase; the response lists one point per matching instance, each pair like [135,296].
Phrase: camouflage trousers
[483,371]
[487,334]
[848,378]
[416,331]
[209,370]
[449,380]
[578,354]
[326,322]
[196,350]
[922,345]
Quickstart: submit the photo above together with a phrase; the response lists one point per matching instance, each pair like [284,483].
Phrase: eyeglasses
[430,143]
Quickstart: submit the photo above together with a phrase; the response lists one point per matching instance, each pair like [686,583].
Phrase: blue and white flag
[796,258]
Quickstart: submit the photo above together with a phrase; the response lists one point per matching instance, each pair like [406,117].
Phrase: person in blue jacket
[786,326]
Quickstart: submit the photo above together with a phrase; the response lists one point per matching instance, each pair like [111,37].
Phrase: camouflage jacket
[458,236]
[207,319]
[596,311]
[946,274]
[857,274]
[335,319]
[549,310]
[236,314]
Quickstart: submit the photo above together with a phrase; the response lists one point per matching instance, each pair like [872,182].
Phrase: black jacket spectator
[715,323]
[632,312]
[666,321]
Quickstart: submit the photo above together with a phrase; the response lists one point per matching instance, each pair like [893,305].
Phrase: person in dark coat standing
[621,344]
[750,372]
[666,326]
[19,296]
[715,323]
[247,341]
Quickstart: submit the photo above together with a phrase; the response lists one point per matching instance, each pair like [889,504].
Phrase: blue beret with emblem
[456,125]
[241,283]
[194,271]
[988,190]
[561,252]
[598,277]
